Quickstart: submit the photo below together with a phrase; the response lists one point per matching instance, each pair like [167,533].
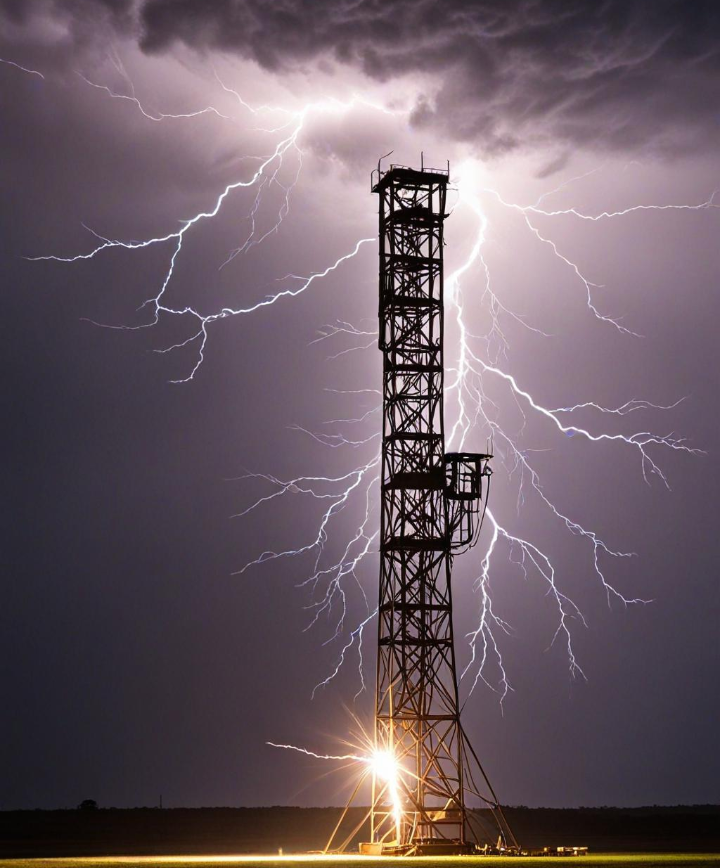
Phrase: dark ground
[152,831]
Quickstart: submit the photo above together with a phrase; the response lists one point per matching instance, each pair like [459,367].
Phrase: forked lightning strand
[481,360]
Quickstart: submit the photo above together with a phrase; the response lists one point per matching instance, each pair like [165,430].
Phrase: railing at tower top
[378,175]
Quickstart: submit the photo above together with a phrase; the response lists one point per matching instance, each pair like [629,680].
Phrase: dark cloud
[621,74]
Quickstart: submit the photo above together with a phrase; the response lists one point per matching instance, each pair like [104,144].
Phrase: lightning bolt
[263,177]
[380,762]
[22,68]
[156,303]
[531,210]
[475,409]
[323,756]
[480,360]
[160,116]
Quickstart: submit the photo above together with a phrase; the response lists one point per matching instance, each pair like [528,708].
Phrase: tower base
[429,847]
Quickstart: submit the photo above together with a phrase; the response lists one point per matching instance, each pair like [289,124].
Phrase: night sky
[135,658]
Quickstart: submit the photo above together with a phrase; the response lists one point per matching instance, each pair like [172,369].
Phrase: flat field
[235,832]
[655,837]
[599,860]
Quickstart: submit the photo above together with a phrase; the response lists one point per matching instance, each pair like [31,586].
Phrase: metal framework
[432,507]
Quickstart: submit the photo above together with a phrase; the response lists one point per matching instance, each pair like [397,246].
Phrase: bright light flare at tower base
[377,763]
[384,765]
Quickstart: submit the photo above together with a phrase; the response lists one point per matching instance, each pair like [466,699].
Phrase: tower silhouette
[432,508]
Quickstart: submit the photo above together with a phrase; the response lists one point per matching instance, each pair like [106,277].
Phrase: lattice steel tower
[432,506]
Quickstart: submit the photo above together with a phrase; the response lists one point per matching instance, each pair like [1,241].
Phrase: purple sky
[135,659]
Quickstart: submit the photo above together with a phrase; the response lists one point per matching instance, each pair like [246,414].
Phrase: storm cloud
[622,75]
[618,74]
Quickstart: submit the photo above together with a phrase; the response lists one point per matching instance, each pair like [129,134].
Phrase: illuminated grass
[647,860]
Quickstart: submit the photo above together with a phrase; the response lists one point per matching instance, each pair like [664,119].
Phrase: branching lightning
[469,386]
[22,68]
[262,178]
[160,116]
[481,361]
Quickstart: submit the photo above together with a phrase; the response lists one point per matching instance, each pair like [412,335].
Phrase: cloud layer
[620,75]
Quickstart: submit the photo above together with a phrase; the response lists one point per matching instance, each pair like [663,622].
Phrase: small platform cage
[465,497]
